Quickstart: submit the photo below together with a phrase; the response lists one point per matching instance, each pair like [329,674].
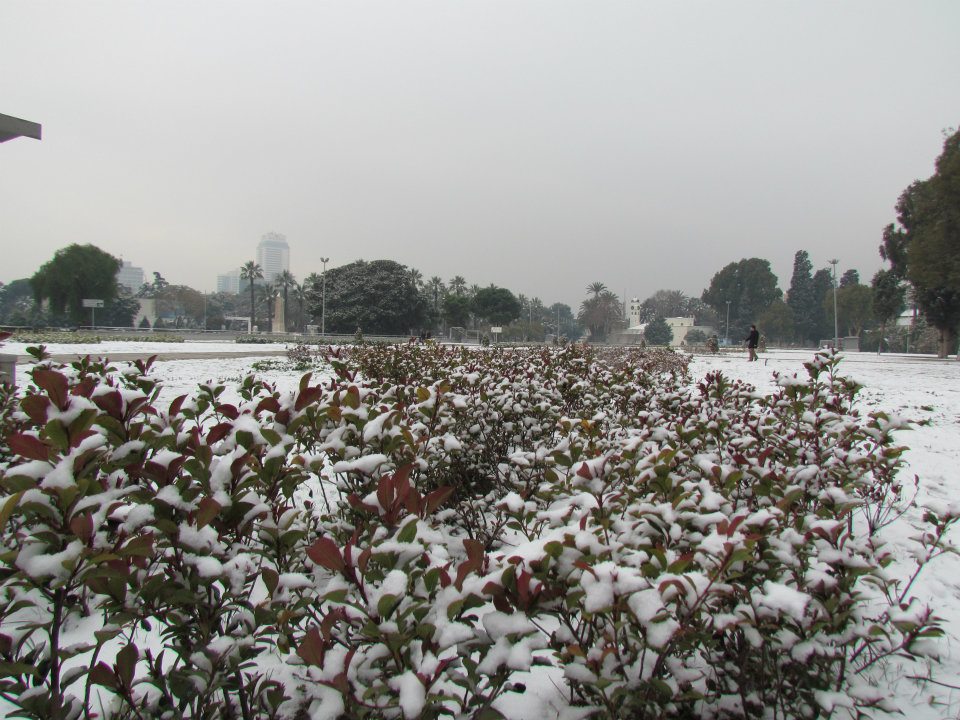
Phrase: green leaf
[408,533]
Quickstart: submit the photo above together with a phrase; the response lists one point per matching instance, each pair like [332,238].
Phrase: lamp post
[323,299]
[836,332]
[726,337]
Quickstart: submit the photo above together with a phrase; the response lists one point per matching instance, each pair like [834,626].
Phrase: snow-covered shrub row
[404,537]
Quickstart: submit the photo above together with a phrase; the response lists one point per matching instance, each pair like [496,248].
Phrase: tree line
[922,250]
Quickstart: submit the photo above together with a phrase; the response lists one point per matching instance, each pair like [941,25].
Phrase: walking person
[752,340]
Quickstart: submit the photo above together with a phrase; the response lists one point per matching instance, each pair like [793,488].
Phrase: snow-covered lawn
[113,348]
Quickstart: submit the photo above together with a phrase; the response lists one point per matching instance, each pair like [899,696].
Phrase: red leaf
[35,406]
[330,620]
[82,527]
[311,648]
[385,492]
[176,405]
[307,396]
[219,432]
[229,410]
[126,664]
[324,552]
[101,674]
[55,386]
[29,447]
[206,511]
[111,403]
[438,497]
[584,471]
[268,403]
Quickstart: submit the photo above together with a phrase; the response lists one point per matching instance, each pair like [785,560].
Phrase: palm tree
[458,285]
[252,272]
[596,288]
[436,288]
[285,280]
[300,295]
[270,293]
[416,277]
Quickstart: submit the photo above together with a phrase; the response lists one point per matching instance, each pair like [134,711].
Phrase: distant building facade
[229,282]
[273,255]
[130,276]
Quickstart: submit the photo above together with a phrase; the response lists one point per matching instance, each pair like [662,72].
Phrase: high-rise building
[130,276]
[229,282]
[273,255]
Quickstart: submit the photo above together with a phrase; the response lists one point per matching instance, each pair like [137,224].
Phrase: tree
[285,280]
[456,310]
[559,317]
[596,288]
[300,295]
[496,305]
[378,297]
[251,271]
[854,308]
[121,310]
[888,300]
[17,306]
[75,273]
[658,332]
[600,313]
[416,277]
[457,285]
[270,294]
[800,299]
[777,322]
[849,277]
[822,293]
[925,248]
[665,303]
[749,285]
[695,337]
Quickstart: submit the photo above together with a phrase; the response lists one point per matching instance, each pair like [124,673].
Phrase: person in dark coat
[752,340]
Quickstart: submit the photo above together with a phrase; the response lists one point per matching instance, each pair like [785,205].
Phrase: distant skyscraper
[273,255]
[229,282]
[131,276]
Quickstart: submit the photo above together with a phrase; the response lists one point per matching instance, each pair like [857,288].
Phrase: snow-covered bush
[404,536]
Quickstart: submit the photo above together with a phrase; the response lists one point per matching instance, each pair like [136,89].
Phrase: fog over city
[539,146]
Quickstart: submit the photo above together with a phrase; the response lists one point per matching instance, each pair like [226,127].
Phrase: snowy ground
[125,348]
[922,389]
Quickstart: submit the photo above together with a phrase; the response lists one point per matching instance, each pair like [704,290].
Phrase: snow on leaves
[402,537]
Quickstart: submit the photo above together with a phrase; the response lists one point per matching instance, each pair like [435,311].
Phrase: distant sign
[92,303]
[496,330]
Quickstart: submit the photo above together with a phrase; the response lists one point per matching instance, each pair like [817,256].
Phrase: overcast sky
[539,146]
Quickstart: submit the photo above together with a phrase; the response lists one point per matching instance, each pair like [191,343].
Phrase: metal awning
[11,127]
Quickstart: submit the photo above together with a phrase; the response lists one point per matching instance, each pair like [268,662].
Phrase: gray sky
[539,146]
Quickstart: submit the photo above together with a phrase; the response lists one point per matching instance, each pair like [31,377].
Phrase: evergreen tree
[749,285]
[496,305]
[888,300]
[925,248]
[378,296]
[849,278]
[800,298]
[777,322]
[658,332]
[822,292]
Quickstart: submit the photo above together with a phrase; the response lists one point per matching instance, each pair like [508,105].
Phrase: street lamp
[323,299]
[836,332]
[726,337]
